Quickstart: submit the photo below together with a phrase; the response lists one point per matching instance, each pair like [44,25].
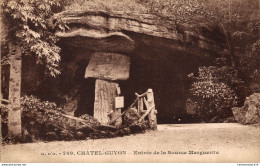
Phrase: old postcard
[107,81]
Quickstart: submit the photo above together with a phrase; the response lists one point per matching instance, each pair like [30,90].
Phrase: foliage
[206,11]
[4,120]
[238,21]
[176,10]
[211,93]
[32,103]
[230,76]
[108,5]
[40,124]
[250,67]
[34,113]
[30,106]
[31,25]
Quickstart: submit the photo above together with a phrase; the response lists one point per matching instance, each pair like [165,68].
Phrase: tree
[1,95]
[31,30]
[236,19]
[234,24]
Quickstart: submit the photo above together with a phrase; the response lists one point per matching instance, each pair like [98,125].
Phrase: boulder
[250,112]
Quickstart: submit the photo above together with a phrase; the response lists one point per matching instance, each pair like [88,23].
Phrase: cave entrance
[165,74]
[87,97]
[164,71]
[86,91]
[167,80]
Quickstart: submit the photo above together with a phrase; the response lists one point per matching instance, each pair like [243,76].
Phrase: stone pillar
[105,93]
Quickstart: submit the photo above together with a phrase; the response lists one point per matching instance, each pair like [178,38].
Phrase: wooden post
[105,93]
[14,114]
[140,105]
[147,112]
[152,115]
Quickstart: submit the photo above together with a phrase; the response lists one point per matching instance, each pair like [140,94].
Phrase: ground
[227,142]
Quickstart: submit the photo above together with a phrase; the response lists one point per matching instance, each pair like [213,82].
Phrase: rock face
[97,40]
[113,31]
[250,112]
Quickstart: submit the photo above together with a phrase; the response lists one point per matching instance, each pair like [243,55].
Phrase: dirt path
[226,142]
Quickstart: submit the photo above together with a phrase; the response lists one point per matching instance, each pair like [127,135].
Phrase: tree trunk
[140,105]
[1,32]
[259,12]
[105,93]
[230,34]
[14,115]
[232,52]
[1,95]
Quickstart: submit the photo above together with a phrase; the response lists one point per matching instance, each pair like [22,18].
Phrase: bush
[30,103]
[31,129]
[33,110]
[211,92]
[230,76]
[250,71]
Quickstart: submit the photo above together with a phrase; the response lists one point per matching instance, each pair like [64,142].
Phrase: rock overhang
[96,40]
[122,32]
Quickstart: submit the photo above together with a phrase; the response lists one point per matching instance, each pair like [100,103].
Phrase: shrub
[211,92]
[250,71]
[30,103]
[33,110]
